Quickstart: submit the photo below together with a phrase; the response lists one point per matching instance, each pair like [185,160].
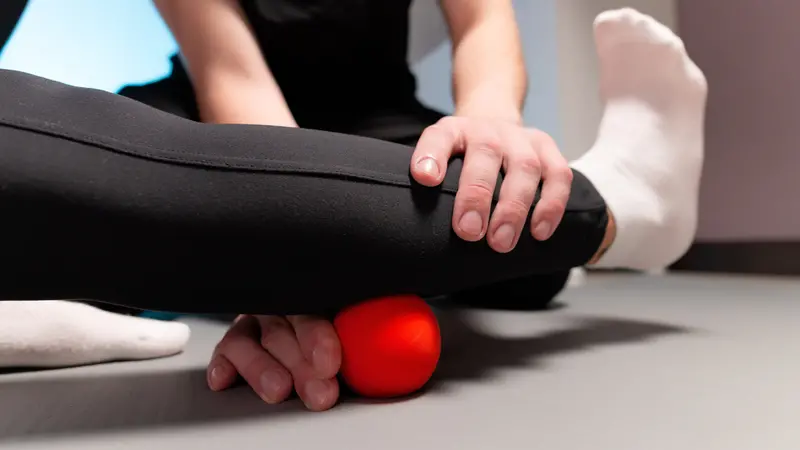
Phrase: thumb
[434,149]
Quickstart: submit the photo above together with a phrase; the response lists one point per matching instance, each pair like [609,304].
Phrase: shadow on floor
[114,402]
[478,356]
[96,403]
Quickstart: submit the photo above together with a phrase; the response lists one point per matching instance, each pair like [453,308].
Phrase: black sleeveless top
[327,55]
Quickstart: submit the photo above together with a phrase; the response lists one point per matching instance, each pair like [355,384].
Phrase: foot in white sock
[60,333]
[648,156]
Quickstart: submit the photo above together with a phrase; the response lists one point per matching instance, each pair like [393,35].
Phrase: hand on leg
[527,157]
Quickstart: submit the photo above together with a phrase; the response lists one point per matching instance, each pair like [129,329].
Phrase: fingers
[274,354]
[433,151]
[528,156]
[318,390]
[319,344]
[522,176]
[556,188]
[482,164]
[240,350]
[221,373]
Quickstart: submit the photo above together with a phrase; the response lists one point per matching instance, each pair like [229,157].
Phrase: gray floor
[644,363]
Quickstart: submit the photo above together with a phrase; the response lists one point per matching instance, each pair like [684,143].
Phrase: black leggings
[401,122]
[107,198]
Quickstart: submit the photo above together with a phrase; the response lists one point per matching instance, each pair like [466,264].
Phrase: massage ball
[390,345]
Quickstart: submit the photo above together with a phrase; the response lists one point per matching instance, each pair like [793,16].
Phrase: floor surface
[626,362]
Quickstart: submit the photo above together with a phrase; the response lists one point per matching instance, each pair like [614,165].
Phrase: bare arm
[232,82]
[489,77]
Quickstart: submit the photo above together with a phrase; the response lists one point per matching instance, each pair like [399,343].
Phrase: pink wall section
[750,52]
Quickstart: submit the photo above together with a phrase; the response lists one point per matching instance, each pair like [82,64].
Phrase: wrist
[494,109]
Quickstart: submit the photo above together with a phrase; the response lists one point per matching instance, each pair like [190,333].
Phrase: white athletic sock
[648,156]
[57,333]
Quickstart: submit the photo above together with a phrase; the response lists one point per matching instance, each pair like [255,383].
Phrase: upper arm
[213,36]
[462,16]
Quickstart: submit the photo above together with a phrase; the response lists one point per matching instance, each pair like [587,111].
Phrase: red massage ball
[390,345]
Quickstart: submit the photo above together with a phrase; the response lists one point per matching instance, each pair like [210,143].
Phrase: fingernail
[317,392]
[271,385]
[471,223]
[504,236]
[542,231]
[429,166]
[216,376]
[322,359]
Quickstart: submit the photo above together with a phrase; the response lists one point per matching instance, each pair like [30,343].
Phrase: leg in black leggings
[405,126]
[107,198]
[401,124]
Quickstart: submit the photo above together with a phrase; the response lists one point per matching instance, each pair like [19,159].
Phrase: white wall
[580,107]
[749,52]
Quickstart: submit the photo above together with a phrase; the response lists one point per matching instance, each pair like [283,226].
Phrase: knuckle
[252,364]
[228,340]
[440,132]
[310,327]
[300,320]
[227,345]
[448,121]
[560,170]
[272,329]
[221,347]
[435,129]
[567,174]
[478,192]
[267,339]
[530,164]
[515,210]
[554,206]
[491,145]
[540,136]
[560,205]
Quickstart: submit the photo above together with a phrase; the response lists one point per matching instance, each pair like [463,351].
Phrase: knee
[531,293]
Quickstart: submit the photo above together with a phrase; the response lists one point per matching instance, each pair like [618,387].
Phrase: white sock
[648,156]
[57,333]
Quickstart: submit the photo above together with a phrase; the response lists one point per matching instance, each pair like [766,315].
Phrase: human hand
[527,156]
[275,354]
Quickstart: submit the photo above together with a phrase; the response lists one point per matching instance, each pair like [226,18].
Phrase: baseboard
[763,258]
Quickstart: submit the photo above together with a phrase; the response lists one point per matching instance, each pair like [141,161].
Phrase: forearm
[489,76]
[230,98]
[231,80]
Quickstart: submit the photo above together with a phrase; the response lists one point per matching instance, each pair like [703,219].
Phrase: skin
[277,355]
[232,81]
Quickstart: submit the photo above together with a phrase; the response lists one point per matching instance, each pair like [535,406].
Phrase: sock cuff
[617,196]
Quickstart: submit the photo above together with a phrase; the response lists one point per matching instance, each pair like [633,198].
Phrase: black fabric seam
[206,161]
[263,165]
